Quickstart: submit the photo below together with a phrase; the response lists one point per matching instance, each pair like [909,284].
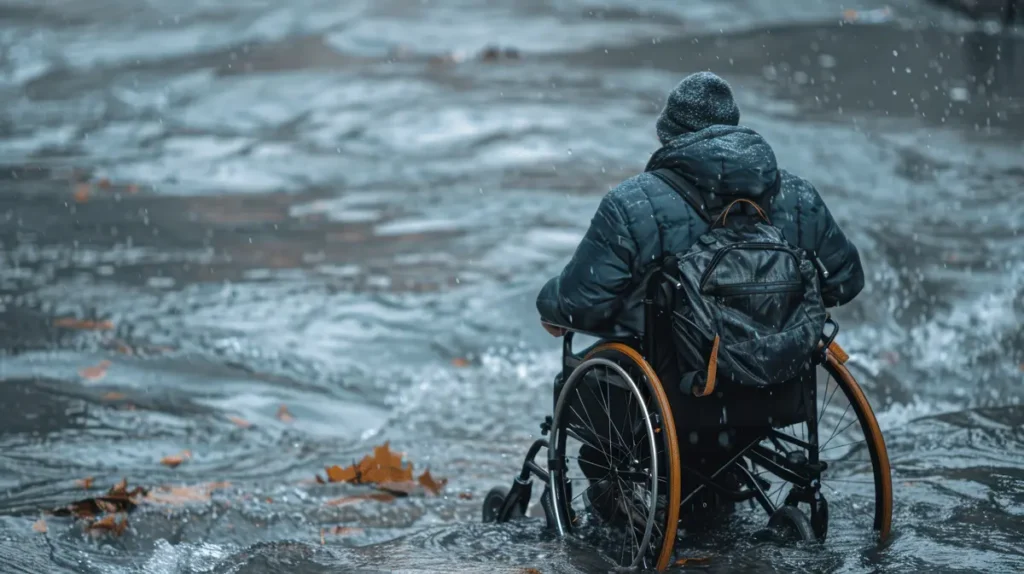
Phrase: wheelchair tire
[874,441]
[645,472]
[793,523]
[846,454]
[493,501]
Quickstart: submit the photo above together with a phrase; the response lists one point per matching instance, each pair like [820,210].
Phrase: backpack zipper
[721,253]
[737,289]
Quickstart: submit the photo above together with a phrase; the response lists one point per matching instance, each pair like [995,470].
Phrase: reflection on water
[348,209]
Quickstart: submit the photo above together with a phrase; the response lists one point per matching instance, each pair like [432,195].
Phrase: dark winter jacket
[643,220]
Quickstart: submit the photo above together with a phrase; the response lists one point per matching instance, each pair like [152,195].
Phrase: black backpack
[747,307]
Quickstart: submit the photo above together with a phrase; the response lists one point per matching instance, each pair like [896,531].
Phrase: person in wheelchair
[714,267]
[644,219]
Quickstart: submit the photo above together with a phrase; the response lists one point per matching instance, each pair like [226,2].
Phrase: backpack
[746,307]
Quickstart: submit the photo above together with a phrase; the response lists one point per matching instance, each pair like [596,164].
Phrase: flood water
[343,207]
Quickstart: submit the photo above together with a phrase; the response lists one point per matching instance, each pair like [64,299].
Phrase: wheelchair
[630,459]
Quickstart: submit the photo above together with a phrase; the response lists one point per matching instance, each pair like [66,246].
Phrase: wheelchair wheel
[614,458]
[844,442]
[493,502]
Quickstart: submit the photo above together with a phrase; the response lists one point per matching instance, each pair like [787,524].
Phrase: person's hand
[555,330]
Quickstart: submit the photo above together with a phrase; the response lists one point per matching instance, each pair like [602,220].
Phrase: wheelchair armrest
[569,331]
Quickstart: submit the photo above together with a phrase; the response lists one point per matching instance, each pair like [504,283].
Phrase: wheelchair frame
[802,472]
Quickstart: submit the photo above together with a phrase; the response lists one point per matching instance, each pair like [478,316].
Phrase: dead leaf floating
[96,372]
[39,526]
[176,459]
[83,324]
[117,499]
[283,415]
[110,524]
[344,531]
[181,495]
[85,483]
[385,470]
[81,193]
[434,486]
[240,422]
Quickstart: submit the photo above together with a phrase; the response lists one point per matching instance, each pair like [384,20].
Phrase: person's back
[644,219]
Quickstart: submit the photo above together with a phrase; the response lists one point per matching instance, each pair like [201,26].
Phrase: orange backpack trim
[709,384]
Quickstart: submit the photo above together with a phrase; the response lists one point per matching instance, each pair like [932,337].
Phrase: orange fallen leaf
[109,524]
[386,470]
[337,474]
[460,362]
[345,531]
[181,495]
[434,486]
[346,500]
[283,415]
[176,459]
[117,499]
[384,466]
[113,396]
[466,495]
[81,193]
[120,488]
[240,422]
[529,571]
[83,324]
[85,483]
[39,526]
[96,372]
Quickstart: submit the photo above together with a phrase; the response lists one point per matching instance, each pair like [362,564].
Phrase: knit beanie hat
[699,101]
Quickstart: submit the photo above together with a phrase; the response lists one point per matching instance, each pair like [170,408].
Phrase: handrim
[558,440]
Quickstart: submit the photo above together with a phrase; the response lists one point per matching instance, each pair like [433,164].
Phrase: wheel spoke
[825,403]
[835,446]
[608,414]
[834,431]
[590,463]
[599,445]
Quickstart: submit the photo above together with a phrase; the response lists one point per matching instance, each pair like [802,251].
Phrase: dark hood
[729,161]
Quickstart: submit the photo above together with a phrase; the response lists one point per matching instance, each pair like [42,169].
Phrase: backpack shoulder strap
[686,190]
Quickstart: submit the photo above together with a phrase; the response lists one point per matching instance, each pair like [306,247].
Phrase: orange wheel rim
[874,434]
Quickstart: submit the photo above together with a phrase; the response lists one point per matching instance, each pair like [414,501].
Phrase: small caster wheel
[493,502]
[792,523]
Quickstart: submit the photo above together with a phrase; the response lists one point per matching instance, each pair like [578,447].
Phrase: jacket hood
[729,161]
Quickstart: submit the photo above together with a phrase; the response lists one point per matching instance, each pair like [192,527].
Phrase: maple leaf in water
[176,459]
